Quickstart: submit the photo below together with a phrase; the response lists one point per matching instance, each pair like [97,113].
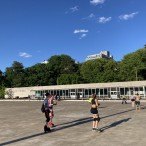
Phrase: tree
[69,79]
[62,69]
[2,92]
[60,64]
[10,94]
[1,78]
[132,64]
[9,75]
[111,72]
[37,75]
[15,75]
[93,70]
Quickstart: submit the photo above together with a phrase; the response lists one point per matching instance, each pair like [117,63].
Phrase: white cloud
[104,19]
[74,9]
[91,16]
[127,16]
[96,2]
[80,31]
[83,35]
[24,55]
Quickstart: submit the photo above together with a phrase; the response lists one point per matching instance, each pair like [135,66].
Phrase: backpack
[43,108]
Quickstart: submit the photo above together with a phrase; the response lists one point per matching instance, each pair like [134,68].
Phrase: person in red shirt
[51,102]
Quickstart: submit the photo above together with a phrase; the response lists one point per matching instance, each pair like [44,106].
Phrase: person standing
[94,111]
[137,102]
[133,100]
[124,100]
[47,112]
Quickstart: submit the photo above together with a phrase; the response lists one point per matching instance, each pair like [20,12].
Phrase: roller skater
[52,101]
[47,113]
[94,111]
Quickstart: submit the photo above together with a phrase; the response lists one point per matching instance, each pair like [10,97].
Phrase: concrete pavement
[21,124]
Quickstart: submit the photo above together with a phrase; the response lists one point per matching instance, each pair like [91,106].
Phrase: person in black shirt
[94,111]
[47,112]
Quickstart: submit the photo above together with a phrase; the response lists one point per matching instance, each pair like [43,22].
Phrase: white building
[44,62]
[102,54]
[113,90]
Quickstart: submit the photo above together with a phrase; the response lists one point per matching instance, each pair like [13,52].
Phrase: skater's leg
[94,122]
[51,118]
[46,127]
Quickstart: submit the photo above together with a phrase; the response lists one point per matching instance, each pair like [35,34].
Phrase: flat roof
[88,86]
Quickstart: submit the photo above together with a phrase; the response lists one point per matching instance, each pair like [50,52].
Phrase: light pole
[136,74]
[57,82]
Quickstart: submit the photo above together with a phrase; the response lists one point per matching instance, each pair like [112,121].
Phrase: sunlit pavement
[21,124]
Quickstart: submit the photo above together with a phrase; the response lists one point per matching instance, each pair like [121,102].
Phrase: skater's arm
[97,103]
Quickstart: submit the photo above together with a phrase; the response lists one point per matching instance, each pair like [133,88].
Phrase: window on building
[105,92]
[121,91]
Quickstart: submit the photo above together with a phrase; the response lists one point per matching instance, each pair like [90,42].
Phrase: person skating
[124,100]
[137,102]
[52,101]
[132,100]
[94,111]
[47,112]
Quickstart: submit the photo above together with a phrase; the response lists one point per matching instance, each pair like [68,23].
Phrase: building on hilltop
[44,62]
[102,54]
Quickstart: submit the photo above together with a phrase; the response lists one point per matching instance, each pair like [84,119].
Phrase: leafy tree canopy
[62,69]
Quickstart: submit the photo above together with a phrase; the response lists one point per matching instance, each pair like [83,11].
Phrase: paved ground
[21,124]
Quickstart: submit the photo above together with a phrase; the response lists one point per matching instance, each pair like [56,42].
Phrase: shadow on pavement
[114,124]
[20,139]
[102,106]
[73,123]
[117,113]
[69,125]
[79,120]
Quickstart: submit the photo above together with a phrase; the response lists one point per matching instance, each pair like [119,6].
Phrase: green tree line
[62,69]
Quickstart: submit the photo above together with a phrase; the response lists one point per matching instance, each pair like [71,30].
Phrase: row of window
[108,92]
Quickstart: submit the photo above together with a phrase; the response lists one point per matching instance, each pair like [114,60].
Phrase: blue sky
[33,30]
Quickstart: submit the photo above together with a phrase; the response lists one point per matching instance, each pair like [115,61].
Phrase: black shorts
[137,103]
[94,111]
